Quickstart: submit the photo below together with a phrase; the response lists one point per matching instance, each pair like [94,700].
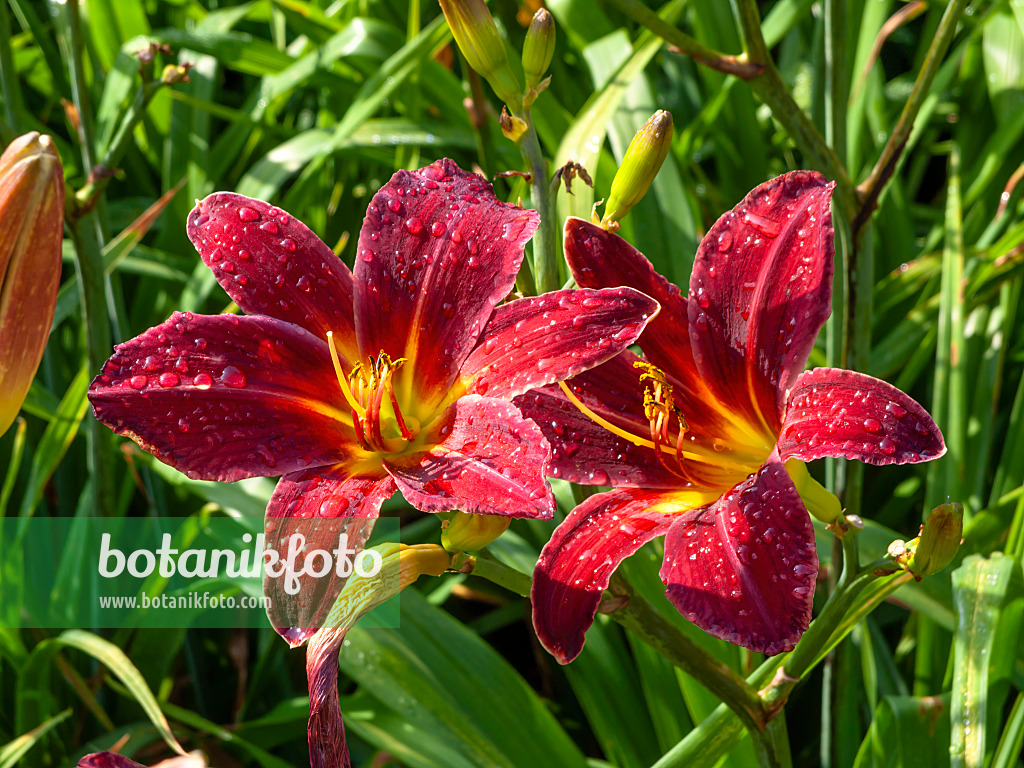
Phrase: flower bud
[820,501]
[401,565]
[467,532]
[31,230]
[539,47]
[937,544]
[478,39]
[644,157]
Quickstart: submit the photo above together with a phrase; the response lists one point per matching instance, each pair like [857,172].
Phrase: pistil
[364,388]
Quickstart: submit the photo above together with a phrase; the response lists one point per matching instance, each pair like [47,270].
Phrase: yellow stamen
[342,380]
[677,450]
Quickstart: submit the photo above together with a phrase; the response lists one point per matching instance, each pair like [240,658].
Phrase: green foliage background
[313,105]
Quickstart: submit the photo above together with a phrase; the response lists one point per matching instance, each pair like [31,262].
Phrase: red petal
[576,564]
[833,412]
[320,504]
[225,397]
[437,252]
[583,451]
[270,263]
[325,730]
[532,342]
[744,568]
[107,760]
[598,259]
[486,459]
[760,291]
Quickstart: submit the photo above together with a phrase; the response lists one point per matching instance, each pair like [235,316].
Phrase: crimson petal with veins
[437,252]
[834,412]
[224,397]
[744,568]
[518,351]
[760,291]
[487,459]
[598,258]
[576,565]
[583,451]
[270,263]
[321,504]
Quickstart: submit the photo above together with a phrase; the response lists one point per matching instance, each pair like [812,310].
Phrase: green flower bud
[467,532]
[32,227]
[646,152]
[820,502]
[539,47]
[937,545]
[478,39]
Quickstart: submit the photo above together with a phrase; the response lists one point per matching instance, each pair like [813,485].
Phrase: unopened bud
[539,47]
[467,532]
[937,544]
[31,230]
[820,501]
[644,157]
[401,565]
[478,39]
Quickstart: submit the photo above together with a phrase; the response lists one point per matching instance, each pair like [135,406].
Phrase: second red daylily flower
[699,434]
[398,376]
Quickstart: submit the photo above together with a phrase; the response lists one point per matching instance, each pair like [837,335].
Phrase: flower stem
[639,617]
[546,274]
[495,572]
[872,187]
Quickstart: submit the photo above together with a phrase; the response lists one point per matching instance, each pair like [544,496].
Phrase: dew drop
[138,382]
[203,381]
[270,227]
[413,226]
[887,446]
[288,244]
[873,425]
[247,214]
[233,377]
[437,229]
[169,379]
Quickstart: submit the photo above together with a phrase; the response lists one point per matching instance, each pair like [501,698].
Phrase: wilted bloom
[353,386]
[695,434]
[31,230]
[116,760]
[401,566]
[477,37]
[538,47]
[643,159]
[937,544]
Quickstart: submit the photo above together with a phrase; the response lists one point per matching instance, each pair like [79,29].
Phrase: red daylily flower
[352,385]
[697,435]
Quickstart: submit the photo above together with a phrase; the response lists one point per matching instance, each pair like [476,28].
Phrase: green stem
[95,317]
[546,274]
[79,89]
[8,78]
[495,572]
[770,88]
[100,175]
[740,66]
[639,617]
[880,175]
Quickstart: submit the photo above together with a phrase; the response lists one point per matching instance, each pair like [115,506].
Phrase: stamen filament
[406,432]
[639,441]
[342,380]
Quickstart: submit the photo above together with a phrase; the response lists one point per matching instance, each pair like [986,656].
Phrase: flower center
[370,391]
[663,414]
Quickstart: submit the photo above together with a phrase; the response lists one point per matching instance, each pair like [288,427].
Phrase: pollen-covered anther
[659,408]
[365,388]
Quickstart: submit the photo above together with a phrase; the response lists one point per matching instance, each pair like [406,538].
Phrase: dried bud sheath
[31,230]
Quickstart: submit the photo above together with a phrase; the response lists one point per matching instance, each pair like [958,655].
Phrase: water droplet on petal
[203,381]
[413,226]
[247,214]
[233,377]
